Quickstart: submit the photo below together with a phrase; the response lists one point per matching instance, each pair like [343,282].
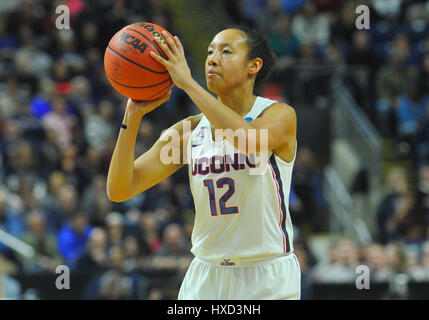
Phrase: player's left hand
[176,63]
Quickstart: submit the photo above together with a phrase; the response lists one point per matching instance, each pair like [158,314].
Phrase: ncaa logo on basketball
[133,41]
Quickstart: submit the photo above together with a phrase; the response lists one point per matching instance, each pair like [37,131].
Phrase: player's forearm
[121,170]
[222,117]
[218,114]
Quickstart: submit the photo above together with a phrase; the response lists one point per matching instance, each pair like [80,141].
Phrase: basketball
[130,68]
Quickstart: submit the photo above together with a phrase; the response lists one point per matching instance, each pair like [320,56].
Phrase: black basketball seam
[154,44]
[124,85]
[158,72]
[157,93]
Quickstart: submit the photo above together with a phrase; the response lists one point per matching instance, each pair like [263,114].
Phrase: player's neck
[239,102]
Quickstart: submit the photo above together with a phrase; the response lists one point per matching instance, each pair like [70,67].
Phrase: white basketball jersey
[238,215]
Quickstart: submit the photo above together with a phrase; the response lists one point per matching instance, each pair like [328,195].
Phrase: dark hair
[258,48]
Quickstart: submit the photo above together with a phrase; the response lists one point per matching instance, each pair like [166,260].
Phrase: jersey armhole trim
[294,157]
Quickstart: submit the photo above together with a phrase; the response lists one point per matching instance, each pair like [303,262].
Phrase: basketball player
[242,237]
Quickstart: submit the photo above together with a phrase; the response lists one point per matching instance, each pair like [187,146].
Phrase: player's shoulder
[185,126]
[195,119]
[280,110]
[191,120]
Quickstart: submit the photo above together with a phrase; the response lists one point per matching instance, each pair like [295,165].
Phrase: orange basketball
[130,68]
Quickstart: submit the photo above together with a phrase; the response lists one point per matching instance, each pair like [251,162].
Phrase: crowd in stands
[59,119]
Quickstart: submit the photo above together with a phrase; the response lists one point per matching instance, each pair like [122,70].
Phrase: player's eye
[226,51]
[209,52]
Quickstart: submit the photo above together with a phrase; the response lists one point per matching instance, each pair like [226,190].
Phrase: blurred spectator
[396,257]
[375,258]
[60,121]
[44,244]
[423,76]
[41,103]
[146,137]
[415,270]
[425,261]
[11,94]
[295,204]
[62,206]
[423,191]
[115,229]
[306,278]
[293,5]
[73,237]
[149,234]
[116,283]
[250,9]
[388,9]
[422,138]
[102,208]
[162,195]
[400,45]
[174,243]
[281,39]
[10,219]
[265,18]
[95,258]
[132,254]
[390,204]
[362,55]
[410,221]
[410,113]
[310,27]
[41,62]
[9,288]
[80,95]
[324,271]
[343,259]
[306,183]
[344,23]
[391,81]
[99,127]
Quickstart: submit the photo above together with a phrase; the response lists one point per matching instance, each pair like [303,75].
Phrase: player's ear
[255,66]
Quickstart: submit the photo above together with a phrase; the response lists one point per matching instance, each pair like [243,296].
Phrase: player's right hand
[142,108]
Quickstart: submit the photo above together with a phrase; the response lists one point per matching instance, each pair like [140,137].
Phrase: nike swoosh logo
[195,145]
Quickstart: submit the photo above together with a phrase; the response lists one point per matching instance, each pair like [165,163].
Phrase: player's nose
[212,60]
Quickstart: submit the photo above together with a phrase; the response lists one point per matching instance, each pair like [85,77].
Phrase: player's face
[226,63]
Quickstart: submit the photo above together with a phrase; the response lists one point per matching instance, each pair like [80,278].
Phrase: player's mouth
[212,73]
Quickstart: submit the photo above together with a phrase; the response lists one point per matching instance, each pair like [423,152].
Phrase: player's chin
[210,85]
[213,86]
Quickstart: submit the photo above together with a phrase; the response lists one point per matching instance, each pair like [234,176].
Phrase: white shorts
[274,279]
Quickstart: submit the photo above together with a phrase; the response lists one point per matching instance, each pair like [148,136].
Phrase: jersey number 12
[222,201]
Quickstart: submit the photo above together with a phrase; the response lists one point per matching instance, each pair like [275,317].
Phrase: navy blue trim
[282,198]
[212,199]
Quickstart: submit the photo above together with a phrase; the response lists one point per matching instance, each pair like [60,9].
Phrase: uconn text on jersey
[219,164]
